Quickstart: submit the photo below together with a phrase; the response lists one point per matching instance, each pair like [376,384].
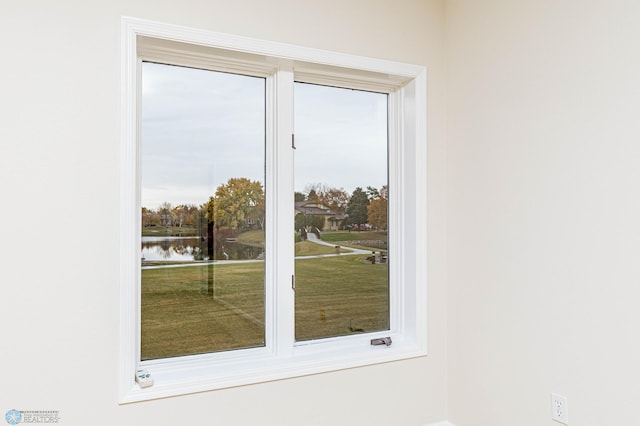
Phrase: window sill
[200,373]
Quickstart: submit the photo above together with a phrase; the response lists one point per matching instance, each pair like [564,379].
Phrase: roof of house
[315,208]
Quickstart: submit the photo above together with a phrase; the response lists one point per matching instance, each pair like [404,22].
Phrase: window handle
[381,341]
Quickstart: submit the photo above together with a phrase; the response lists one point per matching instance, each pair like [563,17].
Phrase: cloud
[341,137]
[200,128]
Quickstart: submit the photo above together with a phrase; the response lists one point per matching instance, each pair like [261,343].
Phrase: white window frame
[280,64]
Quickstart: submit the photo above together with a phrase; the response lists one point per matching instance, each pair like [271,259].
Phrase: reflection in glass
[202,198]
[342,266]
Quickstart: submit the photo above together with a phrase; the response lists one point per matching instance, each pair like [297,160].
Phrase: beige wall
[59,167]
[543,239]
[538,242]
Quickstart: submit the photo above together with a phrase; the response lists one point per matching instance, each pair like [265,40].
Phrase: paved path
[313,238]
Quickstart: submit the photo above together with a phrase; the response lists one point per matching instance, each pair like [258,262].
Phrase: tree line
[239,205]
[362,207]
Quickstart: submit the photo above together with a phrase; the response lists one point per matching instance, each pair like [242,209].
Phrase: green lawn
[252,238]
[307,248]
[359,239]
[334,236]
[340,295]
[180,315]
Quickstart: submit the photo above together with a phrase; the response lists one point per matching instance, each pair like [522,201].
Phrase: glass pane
[202,196]
[342,269]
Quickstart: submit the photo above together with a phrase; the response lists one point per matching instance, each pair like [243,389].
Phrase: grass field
[357,239]
[340,295]
[307,248]
[338,236]
[252,238]
[334,296]
[181,317]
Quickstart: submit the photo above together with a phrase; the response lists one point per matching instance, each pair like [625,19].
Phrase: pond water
[185,249]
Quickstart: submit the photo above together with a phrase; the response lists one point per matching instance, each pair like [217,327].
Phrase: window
[340,179]
[248,253]
[202,199]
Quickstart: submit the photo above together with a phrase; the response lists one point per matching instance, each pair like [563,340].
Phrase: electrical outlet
[559,408]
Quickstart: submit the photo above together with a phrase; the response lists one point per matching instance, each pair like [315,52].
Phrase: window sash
[358,147]
[208,172]
[282,356]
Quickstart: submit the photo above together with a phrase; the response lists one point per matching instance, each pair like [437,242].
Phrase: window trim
[279,63]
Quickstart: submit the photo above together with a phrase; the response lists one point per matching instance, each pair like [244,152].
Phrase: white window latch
[143,378]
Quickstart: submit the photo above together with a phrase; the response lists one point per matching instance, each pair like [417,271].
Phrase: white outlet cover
[559,408]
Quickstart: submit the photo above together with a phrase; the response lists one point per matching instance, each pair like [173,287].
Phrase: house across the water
[332,220]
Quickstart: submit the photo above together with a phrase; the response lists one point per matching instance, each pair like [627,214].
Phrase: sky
[200,128]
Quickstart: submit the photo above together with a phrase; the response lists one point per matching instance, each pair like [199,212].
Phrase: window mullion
[396,225]
[280,233]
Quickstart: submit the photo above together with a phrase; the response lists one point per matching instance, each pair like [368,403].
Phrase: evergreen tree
[357,207]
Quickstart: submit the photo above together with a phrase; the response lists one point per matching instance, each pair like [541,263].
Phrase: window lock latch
[381,341]
[143,378]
